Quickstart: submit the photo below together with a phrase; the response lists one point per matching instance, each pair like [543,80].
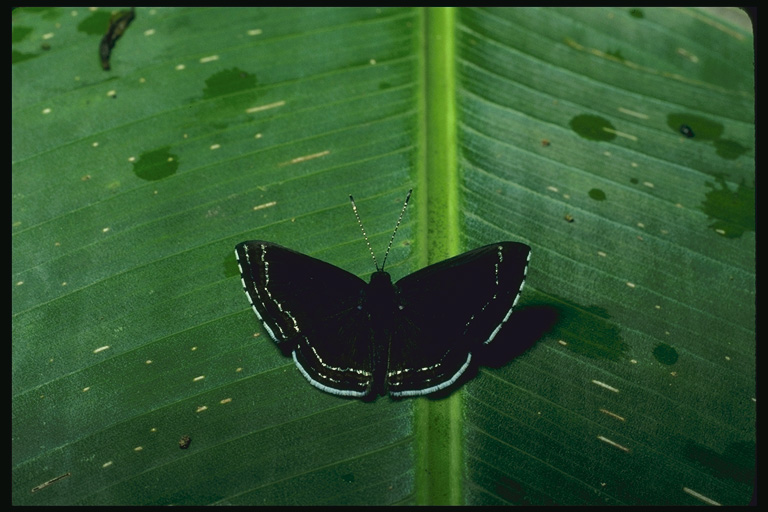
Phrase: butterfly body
[356,339]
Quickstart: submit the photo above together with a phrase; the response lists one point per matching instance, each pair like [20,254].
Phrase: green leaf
[140,375]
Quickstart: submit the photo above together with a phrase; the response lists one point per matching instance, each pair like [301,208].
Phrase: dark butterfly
[358,339]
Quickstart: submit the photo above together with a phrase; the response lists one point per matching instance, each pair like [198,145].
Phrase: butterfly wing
[310,309]
[447,310]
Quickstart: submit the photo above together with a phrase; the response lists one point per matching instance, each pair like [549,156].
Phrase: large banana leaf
[618,143]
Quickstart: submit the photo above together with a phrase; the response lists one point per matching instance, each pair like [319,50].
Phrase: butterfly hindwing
[311,310]
[347,371]
[447,310]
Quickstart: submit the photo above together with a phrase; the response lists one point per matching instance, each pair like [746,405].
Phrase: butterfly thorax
[379,302]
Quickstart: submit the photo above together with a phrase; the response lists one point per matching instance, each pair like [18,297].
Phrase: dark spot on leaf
[729,149]
[704,127]
[734,212]
[184,442]
[18,34]
[94,24]
[17,57]
[592,127]
[637,13]
[665,354]
[229,81]
[597,194]
[634,181]
[156,165]
[707,130]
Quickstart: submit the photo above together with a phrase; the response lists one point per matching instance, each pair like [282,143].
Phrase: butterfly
[360,340]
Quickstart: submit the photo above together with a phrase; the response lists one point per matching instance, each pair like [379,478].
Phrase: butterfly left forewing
[310,309]
[450,309]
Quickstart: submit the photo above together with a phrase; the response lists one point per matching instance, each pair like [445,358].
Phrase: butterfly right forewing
[449,310]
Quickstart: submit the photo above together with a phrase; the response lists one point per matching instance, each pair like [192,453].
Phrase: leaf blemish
[51,481]
[300,159]
[613,443]
[604,385]
[265,205]
[265,107]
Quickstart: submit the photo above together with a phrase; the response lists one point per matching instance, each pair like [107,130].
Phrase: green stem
[438,423]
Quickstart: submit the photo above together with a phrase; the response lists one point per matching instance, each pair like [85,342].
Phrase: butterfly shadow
[524,328]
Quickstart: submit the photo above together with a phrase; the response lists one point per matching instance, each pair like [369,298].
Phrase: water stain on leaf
[597,194]
[17,57]
[19,33]
[733,211]
[229,81]
[729,149]
[95,23]
[156,165]
[665,354]
[703,129]
[593,127]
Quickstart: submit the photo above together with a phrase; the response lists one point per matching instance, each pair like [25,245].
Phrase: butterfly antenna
[399,219]
[365,235]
